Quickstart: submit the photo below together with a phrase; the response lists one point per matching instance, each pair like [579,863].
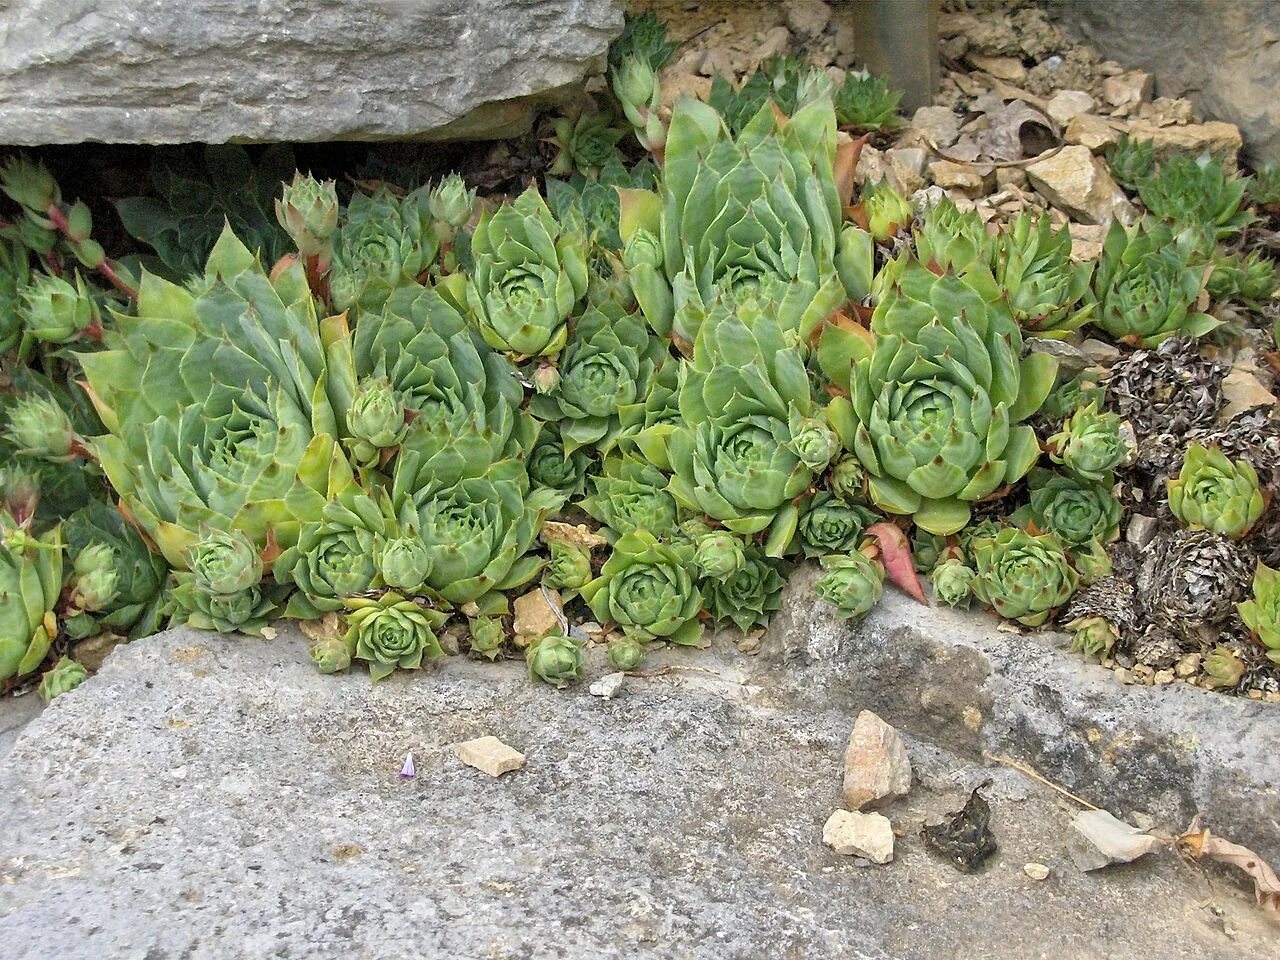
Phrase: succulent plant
[718,553]
[1146,290]
[749,596]
[630,494]
[626,653]
[487,636]
[1250,278]
[949,239]
[852,583]
[848,480]
[927,549]
[138,575]
[644,35]
[384,242]
[39,427]
[1034,269]
[56,311]
[647,588]
[829,525]
[1077,511]
[1189,581]
[63,677]
[15,274]
[307,210]
[1261,612]
[569,567]
[584,144]
[31,578]
[528,276]
[782,81]
[197,193]
[392,633]
[224,562]
[450,202]
[866,102]
[636,85]
[1091,444]
[331,654]
[552,467]
[1213,493]
[479,531]
[1092,636]
[935,408]
[1103,614]
[887,212]
[227,449]
[608,363]
[1264,187]
[1196,191]
[952,582]
[376,419]
[1131,161]
[555,659]
[1022,576]
[247,612]
[405,562]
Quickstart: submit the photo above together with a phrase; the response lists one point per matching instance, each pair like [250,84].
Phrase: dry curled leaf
[965,837]
[578,535]
[1198,843]
[328,627]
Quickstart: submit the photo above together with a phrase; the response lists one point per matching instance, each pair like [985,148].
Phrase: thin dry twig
[1023,768]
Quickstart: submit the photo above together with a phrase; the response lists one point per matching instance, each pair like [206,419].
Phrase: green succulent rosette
[307,210]
[1023,577]
[405,562]
[1250,278]
[98,537]
[487,636]
[225,563]
[926,549]
[331,654]
[376,419]
[630,495]
[747,597]
[948,239]
[608,364]
[39,427]
[852,583]
[1131,160]
[392,633]
[226,448]
[952,582]
[450,202]
[1092,636]
[1198,192]
[718,553]
[1033,268]
[830,525]
[1077,511]
[887,212]
[30,582]
[626,653]
[1145,289]
[569,566]
[478,531]
[935,408]
[1091,444]
[752,215]
[555,659]
[461,398]
[647,424]
[63,677]
[527,278]
[783,82]
[1223,669]
[647,588]
[1261,612]
[247,611]
[583,144]
[866,102]
[812,440]
[56,311]
[384,242]
[15,274]
[554,468]
[1216,494]
[848,480]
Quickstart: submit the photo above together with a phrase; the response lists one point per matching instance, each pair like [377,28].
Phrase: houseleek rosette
[30,582]
[478,532]
[936,405]
[486,636]
[384,242]
[1034,270]
[756,214]
[391,633]
[608,364]
[555,659]
[716,553]
[39,427]
[1145,289]
[1261,612]
[63,677]
[552,467]
[647,588]
[569,566]
[1216,494]
[829,525]
[626,653]
[1022,576]
[101,536]
[461,399]
[528,276]
[1091,444]
[747,597]
[949,239]
[648,423]
[1078,511]
[223,448]
[1196,192]
[629,495]
[852,583]
[307,209]
[952,582]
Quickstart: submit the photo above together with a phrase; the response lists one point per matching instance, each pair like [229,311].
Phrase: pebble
[877,767]
[1066,104]
[806,17]
[749,645]
[608,686]
[854,834]
[489,755]
[1162,677]
[1188,666]
[1080,185]
[1036,871]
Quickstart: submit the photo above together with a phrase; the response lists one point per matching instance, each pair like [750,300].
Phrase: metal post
[898,39]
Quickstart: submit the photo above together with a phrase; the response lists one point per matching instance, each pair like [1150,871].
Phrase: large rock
[211,797]
[1080,185]
[1223,54]
[175,71]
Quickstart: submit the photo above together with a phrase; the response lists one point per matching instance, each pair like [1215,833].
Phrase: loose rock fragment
[1102,840]
[537,613]
[877,767]
[1036,871]
[852,834]
[608,686]
[1079,184]
[489,755]
[1067,104]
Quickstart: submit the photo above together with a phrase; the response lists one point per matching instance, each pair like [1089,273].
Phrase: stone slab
[210,797]
[213,71]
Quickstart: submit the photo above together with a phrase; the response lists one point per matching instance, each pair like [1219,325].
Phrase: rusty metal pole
[898,39]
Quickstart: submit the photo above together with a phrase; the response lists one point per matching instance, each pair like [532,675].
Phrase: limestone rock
[537,613]
[806,17]
[1036,871]
[1086,241]
[1219,138]
[164,71]
[877,767]
[868,835]
[958,176]
[608,686]
[1079,184]
[1089,131]
[1067,104]
[489,755]
[1128,89]
[1003,68]
[939,124]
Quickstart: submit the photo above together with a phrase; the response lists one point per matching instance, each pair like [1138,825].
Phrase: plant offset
[645,392]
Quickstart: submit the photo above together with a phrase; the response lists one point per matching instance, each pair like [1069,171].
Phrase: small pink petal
[408,771]
[895,553]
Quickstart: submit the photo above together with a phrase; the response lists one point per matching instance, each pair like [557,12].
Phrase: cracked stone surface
[208,797]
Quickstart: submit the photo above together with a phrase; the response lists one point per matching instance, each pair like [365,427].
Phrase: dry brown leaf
[326,628]
[1198,843]
[577,535]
